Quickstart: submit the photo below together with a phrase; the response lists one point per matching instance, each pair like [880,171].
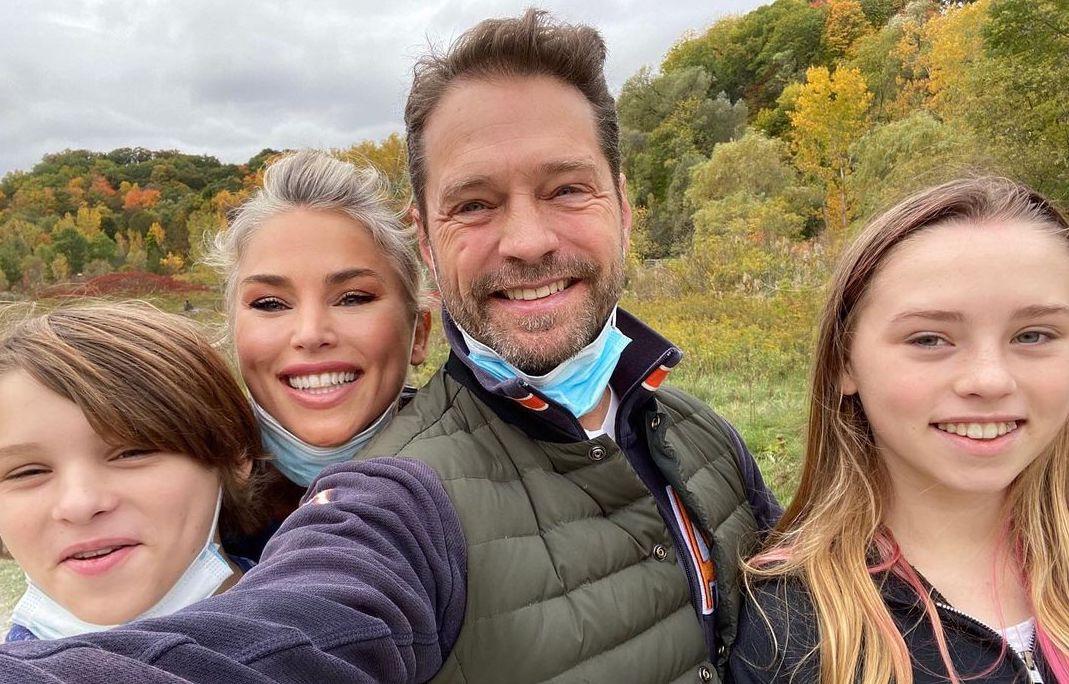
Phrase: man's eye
[472,206]
[566,190]
[354,299]
[268,304]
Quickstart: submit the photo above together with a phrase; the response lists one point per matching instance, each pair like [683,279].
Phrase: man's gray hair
[310,179]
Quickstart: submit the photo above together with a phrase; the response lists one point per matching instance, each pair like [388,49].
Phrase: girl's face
[961,355]
[105,531]
[324,336]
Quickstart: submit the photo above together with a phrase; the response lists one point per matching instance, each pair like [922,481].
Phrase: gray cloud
[231,78]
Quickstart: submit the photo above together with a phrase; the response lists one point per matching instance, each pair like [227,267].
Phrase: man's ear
[421,233]
[625,211]
[420,338]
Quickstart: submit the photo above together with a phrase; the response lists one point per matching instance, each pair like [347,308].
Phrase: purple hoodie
[365,582]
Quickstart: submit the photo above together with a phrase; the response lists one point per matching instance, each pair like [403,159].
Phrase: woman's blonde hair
[832,536]
[312,179]
[148,379]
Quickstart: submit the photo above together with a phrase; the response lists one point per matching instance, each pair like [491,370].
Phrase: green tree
[71,244]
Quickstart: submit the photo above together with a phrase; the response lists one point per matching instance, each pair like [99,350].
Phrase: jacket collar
[643,366]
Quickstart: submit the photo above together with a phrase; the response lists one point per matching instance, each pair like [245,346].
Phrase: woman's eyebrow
[340,277]
[265,279]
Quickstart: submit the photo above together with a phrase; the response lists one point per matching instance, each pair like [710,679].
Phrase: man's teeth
[86,555]
[978,430]
[528,293]
[320,383]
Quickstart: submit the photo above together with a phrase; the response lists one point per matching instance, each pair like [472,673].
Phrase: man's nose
[527,234]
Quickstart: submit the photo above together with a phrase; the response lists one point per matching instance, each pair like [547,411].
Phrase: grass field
[768,410]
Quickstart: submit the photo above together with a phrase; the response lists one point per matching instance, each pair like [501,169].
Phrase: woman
[929,538]
[323,294]
[126,450]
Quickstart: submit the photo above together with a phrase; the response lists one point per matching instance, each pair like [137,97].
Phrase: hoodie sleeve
[364,582]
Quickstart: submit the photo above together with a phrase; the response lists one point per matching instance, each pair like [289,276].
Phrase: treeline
[790,124]
[752,151]
[80,214]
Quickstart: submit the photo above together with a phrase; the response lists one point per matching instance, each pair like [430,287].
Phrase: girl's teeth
[978,430]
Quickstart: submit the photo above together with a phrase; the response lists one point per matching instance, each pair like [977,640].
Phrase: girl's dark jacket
[787,651]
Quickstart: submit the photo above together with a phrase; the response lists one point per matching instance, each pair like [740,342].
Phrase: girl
[126,451]
[929,538]
[323,293]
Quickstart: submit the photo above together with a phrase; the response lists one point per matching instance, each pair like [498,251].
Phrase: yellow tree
[61,269]
[844,23]
[390,156]
[955,61]
[829,116]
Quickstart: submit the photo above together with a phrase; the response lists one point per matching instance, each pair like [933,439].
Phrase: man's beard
[580,327]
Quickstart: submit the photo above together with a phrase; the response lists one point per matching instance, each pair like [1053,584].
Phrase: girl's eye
[268,304]
[1032,337]
[928,340]
[354,298]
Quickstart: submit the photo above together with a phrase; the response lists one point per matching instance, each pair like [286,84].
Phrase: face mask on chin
[47,619]
[577,384]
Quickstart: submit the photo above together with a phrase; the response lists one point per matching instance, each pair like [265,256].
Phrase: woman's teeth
[527,293]
[320,383]
[978,430]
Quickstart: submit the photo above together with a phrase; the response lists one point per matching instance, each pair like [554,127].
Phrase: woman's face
[323,333]
[106,531]
[961,355]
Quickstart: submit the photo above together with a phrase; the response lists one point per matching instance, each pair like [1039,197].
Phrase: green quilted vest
[571,572]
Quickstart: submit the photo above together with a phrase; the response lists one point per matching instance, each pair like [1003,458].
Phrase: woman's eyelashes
[268,304]
[355,298]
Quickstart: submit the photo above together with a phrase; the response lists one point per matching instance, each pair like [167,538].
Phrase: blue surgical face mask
[578,384]
[47,619]
[300,461]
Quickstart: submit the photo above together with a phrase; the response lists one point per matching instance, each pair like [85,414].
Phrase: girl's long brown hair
[832,531]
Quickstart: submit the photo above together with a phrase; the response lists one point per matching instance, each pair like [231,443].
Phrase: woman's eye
[268,304]
[928,341]
[1032,337]
[354,298]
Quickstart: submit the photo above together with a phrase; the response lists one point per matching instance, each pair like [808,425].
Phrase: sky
[229,78]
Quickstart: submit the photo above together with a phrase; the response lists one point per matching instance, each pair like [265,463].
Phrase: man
[544,509]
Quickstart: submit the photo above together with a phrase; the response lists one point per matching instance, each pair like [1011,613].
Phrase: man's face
[524,227]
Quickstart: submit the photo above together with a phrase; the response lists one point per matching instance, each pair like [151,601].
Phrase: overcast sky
[229,78]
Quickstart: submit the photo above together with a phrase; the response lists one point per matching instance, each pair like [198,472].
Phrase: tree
[390,157]
[829,117]
[844,24]
[61,269]
[172,263]
[903,156]
[33,272]
[71,244]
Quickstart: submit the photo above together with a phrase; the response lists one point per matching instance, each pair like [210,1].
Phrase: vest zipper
[1026,658]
